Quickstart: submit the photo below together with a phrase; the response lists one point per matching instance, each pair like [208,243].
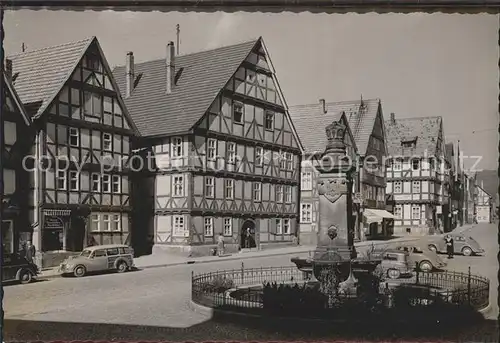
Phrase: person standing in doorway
[449,246]
[247,239]
[30,251]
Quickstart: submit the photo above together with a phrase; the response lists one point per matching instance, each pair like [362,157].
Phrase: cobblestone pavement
[153,303]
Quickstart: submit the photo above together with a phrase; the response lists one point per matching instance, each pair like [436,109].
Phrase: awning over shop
[376,216]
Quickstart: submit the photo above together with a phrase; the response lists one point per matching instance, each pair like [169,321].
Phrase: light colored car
[99,258]
[420,255]
[395,263]
[461,244]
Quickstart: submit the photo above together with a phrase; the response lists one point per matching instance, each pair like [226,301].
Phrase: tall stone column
[336,224]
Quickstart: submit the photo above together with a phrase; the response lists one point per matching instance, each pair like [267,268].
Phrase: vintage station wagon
[99,258]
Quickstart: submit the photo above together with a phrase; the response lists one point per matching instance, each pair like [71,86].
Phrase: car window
[417,250]
[390,257]
[112,251]
[99,253]
[85,253]
[124,250]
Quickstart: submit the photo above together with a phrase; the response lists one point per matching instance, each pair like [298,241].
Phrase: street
[153,303]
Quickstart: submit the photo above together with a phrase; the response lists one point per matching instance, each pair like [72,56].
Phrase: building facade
[16,126]
[483,205]
[80,177]
[415,172]
[226,155]
[309,120]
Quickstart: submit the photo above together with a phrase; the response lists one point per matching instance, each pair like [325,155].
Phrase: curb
[203,310]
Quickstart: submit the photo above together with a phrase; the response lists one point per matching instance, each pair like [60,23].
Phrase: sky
[418,64]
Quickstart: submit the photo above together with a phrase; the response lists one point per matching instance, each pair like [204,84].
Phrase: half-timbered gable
[483,205]
[311,122]
[17,142]
[223,145]
[414,172]
[84,138]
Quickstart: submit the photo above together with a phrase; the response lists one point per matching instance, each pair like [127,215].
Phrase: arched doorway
[247,234]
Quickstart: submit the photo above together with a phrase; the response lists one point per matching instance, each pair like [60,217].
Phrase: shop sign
[53,222]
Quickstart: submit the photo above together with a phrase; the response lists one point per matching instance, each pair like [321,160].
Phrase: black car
[18,268]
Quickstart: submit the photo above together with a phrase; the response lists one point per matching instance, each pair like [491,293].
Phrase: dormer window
[409,143]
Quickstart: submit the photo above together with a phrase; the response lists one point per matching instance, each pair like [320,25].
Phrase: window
[228,227]
[107,222]
[211,149]
[288,194]
[209,187]
[279,227]
[106,180]
[179,227]
[269,122]
[415,212]
[398,211]
[95,223]
[73,180]
[100,253]
[116,183]
[96,182]
[286,226]
[92,62]
[416,187]
[289,161]
[209,227]
[238,112]
[117,222]
[112,251]
[74,137]
[231,152]
[257,191]
[305,213]
[415,164]
[279,193]
[106,141]
[177,147]
[61,179]
[93,104]
[229,188]
[178,185]
[259,156]
[398,187]
[397,165]
[306,181]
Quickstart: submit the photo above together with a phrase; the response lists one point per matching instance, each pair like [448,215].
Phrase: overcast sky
[418,64]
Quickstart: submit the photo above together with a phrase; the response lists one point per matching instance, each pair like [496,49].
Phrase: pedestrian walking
[449,246]
[30,251]
[220,245]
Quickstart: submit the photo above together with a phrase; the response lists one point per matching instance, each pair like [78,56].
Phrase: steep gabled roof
[17,101]
[311,122]
[200,77]
[40,74]
[308,118]
[426,129]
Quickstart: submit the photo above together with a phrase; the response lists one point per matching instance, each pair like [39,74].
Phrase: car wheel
[79,271]
[121,267]
[426,266]
[393,274]
[467,251]
[432,247]
[25,276]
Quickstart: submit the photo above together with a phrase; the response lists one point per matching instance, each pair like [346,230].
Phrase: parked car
[420,255]
[18,268]
[117,257]
[462,244]
[395,263]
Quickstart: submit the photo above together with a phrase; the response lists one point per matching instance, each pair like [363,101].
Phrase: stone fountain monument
[335,256]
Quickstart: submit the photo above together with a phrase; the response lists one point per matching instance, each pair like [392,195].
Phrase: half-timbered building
[446,216]
[366,123]
[483,205]
[415,172]
[226,155]
[16,136]
[311,122]
[81,179]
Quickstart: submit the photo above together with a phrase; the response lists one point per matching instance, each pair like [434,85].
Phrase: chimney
[170,62]
[393,118]
[323,106]
[130,74]
[8,69]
